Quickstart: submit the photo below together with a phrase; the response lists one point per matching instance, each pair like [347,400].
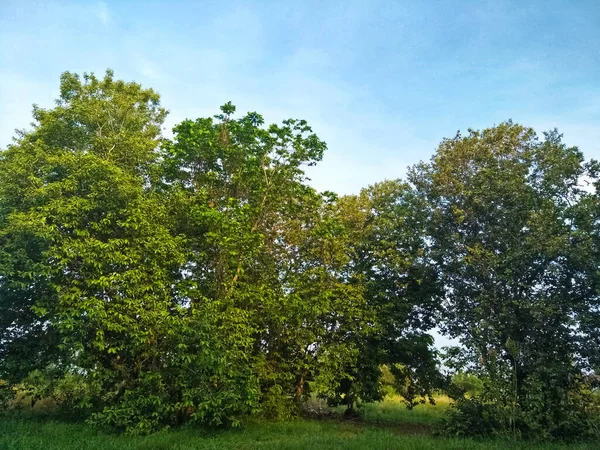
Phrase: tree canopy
[146,282]
[509,235]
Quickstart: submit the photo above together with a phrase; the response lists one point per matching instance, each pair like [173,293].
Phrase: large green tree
[266,246]
[504,236]
[71,194]
[90,282]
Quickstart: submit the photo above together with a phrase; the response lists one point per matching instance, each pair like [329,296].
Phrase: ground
[386,425]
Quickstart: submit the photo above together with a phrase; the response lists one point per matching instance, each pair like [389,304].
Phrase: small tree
[386,229]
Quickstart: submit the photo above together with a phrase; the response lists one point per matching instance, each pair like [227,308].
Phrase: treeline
[147,282]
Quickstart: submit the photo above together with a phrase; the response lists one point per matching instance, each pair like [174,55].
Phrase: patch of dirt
[397,428]
[409,428]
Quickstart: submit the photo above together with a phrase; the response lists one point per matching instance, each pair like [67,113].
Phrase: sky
[382,82]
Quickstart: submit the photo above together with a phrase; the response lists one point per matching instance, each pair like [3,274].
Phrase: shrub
[7,394]
[541,413]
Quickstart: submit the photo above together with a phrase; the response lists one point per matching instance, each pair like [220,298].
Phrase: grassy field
[393,411]
[386,425]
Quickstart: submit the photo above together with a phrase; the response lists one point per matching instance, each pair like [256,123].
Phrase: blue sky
[381,82]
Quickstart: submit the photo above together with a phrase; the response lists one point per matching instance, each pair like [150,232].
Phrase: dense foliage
[147,282]
[512,236]
[198,279]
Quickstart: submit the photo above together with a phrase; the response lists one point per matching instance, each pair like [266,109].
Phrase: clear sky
[381,82]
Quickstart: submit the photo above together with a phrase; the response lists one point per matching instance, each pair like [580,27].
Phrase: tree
[266,247]
[91,274]
[64,185]
[504,237]
[385,246]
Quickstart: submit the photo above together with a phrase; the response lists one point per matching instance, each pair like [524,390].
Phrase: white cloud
[102,13]
[148,69]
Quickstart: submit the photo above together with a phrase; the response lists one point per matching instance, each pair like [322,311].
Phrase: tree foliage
[147,282]
[194,279]
[386,226]
[506,237]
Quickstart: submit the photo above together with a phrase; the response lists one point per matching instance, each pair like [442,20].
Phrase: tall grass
[22,434]
[393,411]
[384,425]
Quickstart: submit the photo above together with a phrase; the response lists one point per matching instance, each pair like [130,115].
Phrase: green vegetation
[386,425]
[298,434]
[149,284]
[392,411]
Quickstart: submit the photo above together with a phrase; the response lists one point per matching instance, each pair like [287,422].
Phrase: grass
[387,425]
[393,411]
[295,435]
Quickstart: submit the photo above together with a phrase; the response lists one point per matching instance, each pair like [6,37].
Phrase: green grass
[301,434]
[393,411]
[386,425]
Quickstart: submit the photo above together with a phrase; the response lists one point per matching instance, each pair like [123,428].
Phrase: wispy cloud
[148,69]
[103,14]
[382,85]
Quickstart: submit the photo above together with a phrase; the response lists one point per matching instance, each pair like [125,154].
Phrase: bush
[7,394]
[540,413]
[472,417]
[468,384]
